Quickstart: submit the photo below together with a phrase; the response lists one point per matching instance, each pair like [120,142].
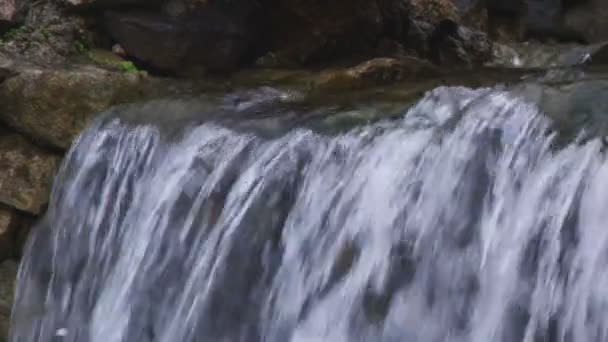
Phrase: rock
[590,19]
[9,222]
[8,277]
[315,32]
[448,43]
[52,106]
[27,174]
[575,106]
[375,72]
[221,36]
[210,38]
[434,10]
[48,36]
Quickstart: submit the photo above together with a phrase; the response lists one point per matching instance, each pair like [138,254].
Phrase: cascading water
[462,221]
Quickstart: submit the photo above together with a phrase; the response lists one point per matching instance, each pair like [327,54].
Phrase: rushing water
[462,222]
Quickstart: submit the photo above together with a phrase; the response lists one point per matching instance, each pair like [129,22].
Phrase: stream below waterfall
[470,216]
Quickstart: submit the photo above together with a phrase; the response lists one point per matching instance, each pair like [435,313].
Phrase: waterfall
[461,221]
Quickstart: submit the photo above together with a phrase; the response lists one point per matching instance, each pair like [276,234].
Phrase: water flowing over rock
[461,222]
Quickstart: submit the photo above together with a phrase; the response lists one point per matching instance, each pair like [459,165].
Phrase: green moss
[80,47]
[15,32]
[128,67]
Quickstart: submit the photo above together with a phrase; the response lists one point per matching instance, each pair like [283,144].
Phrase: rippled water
[459,222]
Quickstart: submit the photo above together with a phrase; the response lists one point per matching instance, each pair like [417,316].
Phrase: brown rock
[8,232]
[375,72]
[207,37]
[26,173]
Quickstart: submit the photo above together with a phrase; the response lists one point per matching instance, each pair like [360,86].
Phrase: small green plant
[81,47]
[45,33]
[128,67]
[15,32]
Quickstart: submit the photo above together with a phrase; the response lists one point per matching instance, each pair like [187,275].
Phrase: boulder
[209,38]
[47,36]
[27,173]
[220,36]
[306,32]
[8,277]
[52,106]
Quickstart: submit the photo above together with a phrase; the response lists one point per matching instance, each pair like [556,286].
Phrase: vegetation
[128,67]
[80,47]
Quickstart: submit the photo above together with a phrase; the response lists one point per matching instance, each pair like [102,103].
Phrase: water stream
[461,221]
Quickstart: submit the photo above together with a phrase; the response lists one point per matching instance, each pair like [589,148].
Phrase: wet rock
[48,36]
[27,174]
[52,106]
[378,71]
[8,276]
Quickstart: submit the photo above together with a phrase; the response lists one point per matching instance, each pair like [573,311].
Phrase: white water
[460,222]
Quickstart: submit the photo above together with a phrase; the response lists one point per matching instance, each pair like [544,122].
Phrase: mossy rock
[52,106]
[109,60]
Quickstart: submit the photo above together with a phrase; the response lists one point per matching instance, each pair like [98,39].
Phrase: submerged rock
[378,71]
[27,174]
[208,38]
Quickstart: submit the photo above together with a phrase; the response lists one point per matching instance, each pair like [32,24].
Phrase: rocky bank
[64,61]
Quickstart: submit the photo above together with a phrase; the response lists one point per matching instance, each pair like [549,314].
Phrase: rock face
[8,276]
[27,174]
[207,40]
[219,36]
[10,225]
